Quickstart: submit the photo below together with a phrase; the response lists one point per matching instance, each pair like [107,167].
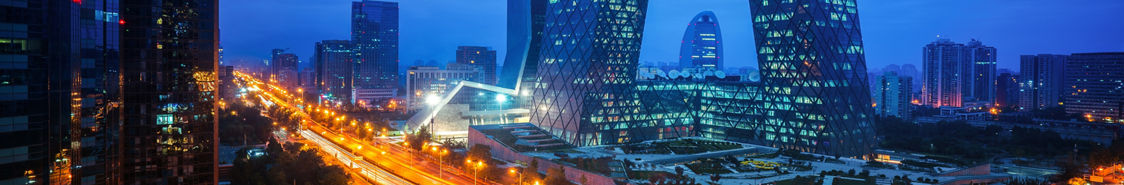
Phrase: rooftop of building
[522,137]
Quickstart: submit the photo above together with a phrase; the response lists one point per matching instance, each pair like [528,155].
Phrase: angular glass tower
[814,75]
[586,70]
[702,43]
[374,31]
[334,70]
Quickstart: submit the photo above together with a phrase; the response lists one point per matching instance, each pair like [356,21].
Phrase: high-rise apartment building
[814,73]
[334,70]
[587,66]
[169,56]
[374,35]
[1096,86]
[479,56]
[1042,81]
[892,95]
[701,46]
[1007,90]
[956,74]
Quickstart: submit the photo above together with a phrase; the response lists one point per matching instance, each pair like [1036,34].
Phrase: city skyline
[895,33]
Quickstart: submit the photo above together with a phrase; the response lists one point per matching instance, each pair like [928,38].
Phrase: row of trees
[289,164]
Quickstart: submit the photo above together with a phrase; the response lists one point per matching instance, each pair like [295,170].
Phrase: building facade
[168,64]
[432,83]
[1007,90]
[892,95]
[1042,81]
[481,57]
[334,74]
[814,73]
[955,74]
[702,43]
[587,66]
[374,33]
[283,69]
[1096,86]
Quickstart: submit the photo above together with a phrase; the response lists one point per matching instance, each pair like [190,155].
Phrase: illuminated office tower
[587,66]
[481,57]
[374,33]
[169,56]
[334,74]
[1042,81]
[702,43]
[814,75]
[1096,86]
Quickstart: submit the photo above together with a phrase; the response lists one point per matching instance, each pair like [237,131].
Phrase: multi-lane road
[379,162]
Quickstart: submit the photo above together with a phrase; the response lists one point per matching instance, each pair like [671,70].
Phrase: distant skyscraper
[283,69]
[814,74]
[702,43]
[481,57]
[892,95]
[587,67]
[1042,81]
[1007,90]
[334,73]
[1096,86]
[956,74]
[374,33]
[169,55]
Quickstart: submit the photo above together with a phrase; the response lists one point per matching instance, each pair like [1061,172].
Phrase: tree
[715,178]
[556,176]
[679,172]
[480,152]
[420,137]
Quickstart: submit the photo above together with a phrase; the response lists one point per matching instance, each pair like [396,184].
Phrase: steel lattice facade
[814,74]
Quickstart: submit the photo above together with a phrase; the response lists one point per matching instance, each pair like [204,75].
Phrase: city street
[381,162]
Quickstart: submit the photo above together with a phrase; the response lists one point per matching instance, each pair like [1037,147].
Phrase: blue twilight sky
[893,30]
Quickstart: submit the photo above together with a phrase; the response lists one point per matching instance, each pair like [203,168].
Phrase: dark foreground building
[169,60]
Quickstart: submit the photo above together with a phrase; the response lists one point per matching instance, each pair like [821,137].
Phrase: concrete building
[430,84]
[334,70]
[956,73]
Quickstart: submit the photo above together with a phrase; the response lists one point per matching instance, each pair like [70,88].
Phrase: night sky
[893,30]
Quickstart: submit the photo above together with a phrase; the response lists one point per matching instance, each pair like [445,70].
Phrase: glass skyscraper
[702,43]
[374,33]
[169,58]
[334,74]
[814,73]
[586,71]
